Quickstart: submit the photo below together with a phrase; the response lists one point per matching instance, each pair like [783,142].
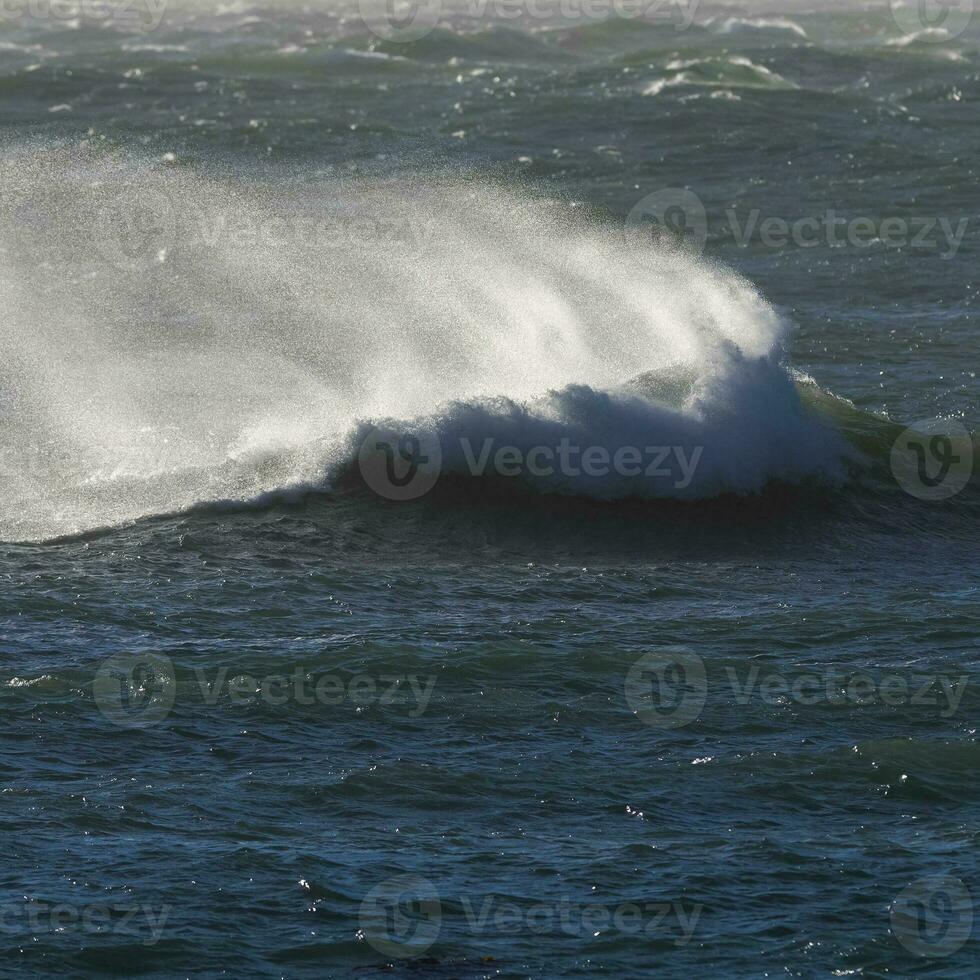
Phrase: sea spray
[173,338]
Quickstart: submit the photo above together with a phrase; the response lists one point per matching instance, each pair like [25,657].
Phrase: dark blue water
[263,720]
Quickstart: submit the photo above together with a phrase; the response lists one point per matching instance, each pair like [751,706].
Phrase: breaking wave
[174,339]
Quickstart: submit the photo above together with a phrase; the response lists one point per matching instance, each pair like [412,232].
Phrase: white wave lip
[221,342]
[733,71]
[732,25]
[739,428]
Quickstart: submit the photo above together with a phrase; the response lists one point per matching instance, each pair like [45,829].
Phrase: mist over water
[173,338]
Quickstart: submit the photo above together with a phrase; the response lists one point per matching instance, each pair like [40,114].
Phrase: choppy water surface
[301,677]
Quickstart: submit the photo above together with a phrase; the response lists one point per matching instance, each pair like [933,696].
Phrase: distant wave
[926,34]
[729,72]
[731,25]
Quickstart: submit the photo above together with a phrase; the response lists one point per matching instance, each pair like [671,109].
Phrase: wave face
[174,339]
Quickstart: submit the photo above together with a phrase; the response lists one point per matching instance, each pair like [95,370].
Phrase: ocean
[489,488]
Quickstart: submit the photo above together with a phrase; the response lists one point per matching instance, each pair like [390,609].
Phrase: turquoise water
[707,710]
